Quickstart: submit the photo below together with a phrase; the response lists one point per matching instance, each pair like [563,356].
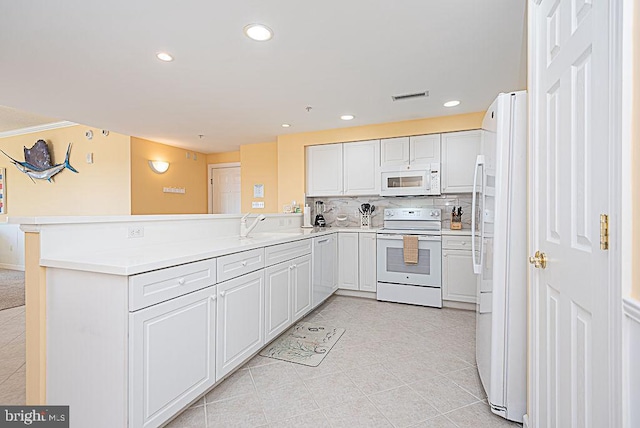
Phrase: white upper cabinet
[424,149]
[394,152]
[408,152]
[324,170]
[459,152]
[362,168]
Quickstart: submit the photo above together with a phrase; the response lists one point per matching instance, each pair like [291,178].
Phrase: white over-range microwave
[417,182]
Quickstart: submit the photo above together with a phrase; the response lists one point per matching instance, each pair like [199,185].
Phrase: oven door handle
[388,237]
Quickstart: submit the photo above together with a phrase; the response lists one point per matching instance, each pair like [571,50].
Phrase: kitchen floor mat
[304,343]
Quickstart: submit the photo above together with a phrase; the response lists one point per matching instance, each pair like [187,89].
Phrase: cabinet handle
[213,298]
[291,267]
[222,293]
[463,243]
[244,263]
[181,281]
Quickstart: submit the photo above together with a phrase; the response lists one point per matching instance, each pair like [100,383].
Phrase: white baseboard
[356,293]
[11,267]
[459,305]
[630,369]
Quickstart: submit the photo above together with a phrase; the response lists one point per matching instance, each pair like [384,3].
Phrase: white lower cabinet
[348,261]
[459,283]
[277,300]
[172,356]
[301,285]
[367,259]
[357,261]
[240,330]
[287,294]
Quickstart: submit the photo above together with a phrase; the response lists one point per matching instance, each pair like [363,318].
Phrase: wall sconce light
[159,167]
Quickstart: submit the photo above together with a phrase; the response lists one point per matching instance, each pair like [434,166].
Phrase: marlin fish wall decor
[37,162]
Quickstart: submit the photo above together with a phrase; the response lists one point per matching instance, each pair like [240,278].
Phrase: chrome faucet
[244,230]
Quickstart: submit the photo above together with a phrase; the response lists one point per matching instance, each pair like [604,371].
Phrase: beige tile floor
[395,366]
[12,356]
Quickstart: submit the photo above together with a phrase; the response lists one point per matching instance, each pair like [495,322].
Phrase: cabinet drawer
[456,242]
[282,252]
[234,265]
[149,288]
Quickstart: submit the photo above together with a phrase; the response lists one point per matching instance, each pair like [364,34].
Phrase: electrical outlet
[135,232]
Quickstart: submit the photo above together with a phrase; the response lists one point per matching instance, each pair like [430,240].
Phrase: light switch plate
[257,204]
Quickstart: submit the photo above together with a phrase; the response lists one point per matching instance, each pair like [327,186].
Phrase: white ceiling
[12,119]
[93,62]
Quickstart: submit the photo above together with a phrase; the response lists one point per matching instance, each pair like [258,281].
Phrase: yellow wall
[291,152]
[101,188]
[259,165]
[636,152]
[147,196]
[226,157]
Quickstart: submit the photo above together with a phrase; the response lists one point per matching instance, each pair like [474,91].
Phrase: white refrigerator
[500,255]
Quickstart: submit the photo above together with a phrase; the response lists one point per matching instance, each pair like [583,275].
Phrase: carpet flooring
[11,288]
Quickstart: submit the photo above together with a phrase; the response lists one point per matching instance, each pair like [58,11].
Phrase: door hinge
[604,232]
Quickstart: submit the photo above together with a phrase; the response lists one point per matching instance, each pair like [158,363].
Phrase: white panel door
[569,184]
[348,261]
[424,149]
[277,300]
[324,170]
[459,283]
[459,153]
[362,168]
[172,356]
[240,330]
[367,262]
[225,188]
[301,285]
[394,152]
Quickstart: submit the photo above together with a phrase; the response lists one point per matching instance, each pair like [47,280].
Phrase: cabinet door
[324,170]
[394,152]
[367,262]
[459,152]
[277,300]
[240,321]
[172,356]
[348,261]
[362,168]
[332,262]
[458,280]
[424,149]
[301,284]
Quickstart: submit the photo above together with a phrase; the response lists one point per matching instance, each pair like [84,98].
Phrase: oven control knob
[431,214]
[436,214]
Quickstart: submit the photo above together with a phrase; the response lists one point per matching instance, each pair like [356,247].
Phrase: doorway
[224,188]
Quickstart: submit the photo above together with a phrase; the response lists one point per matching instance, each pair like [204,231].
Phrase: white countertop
[131,261]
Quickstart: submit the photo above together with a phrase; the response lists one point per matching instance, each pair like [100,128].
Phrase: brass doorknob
[539,260]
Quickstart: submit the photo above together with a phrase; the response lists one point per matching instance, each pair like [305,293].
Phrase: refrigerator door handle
[477,267]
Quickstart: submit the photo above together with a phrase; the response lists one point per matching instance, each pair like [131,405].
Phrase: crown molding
[38,128]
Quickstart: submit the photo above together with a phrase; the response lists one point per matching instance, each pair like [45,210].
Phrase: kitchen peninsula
[110,300]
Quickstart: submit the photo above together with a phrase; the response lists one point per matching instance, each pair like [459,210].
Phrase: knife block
[456,222]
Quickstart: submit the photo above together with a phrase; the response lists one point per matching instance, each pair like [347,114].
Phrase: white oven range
[418,284]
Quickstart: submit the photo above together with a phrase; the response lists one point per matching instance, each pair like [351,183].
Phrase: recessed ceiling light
[258,32]
[452,103]
[286,125]
[163,56]
[347,117]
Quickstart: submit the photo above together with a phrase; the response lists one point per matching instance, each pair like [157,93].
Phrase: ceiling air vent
[410,96]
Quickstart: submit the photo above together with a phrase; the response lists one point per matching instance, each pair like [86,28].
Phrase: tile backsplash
[349,206]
